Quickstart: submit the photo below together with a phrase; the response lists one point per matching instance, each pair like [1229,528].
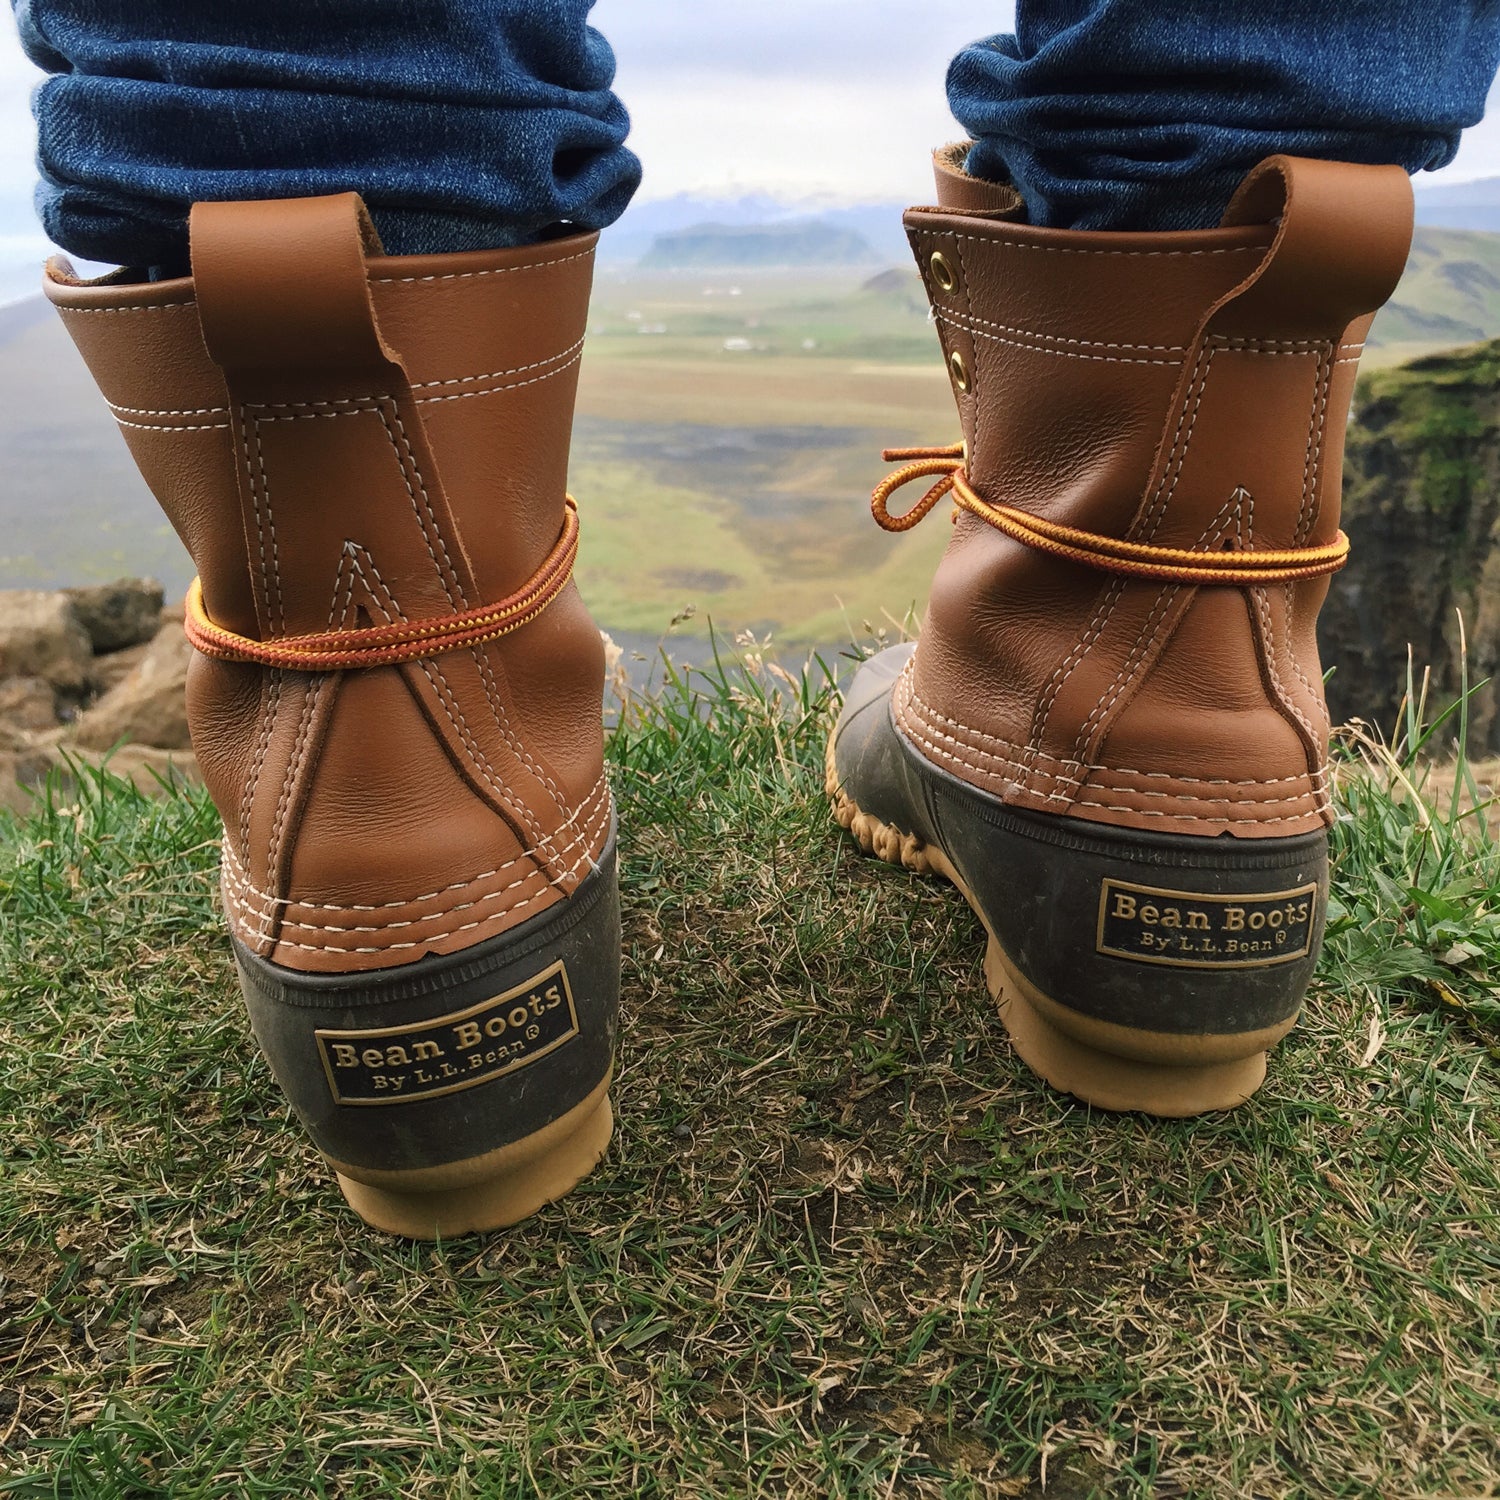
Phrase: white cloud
[837,96]
[17,133]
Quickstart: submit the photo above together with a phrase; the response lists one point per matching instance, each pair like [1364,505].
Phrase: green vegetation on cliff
[843,1245]
[1422,509]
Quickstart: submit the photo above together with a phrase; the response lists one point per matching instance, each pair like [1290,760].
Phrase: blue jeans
[475,123]
[466,124]
[1135,114]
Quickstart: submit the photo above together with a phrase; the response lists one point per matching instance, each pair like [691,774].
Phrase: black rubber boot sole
[1137,971]
[465,1090]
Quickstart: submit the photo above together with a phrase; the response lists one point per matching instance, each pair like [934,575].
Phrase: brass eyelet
[942,272]
[959,369]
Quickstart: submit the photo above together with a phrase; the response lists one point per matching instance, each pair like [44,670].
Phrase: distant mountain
[632,237]
[1450,293]
[1461,205]
[807,244]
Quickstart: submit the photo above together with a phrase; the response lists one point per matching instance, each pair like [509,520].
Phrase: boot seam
[911,712]
[581,841]
[582,820]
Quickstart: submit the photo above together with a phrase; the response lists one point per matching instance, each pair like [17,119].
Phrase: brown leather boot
[1111,734]
[396,701]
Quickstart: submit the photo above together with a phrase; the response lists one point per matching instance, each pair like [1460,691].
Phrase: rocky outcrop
[117,615]
[88,676]
[1422,509]
[42,637]
[147,705]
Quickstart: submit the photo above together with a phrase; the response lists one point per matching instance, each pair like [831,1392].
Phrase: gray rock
[21,769]
[146,707]
[40,636]
[118,665]
[119,614]
[28,703]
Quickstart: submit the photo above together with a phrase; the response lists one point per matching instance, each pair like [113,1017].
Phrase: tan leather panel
[1188,390]
[965,194]
[382,438]
[287,290]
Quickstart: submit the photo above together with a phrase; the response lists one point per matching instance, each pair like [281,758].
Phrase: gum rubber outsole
[1036,1024]
[486,1192]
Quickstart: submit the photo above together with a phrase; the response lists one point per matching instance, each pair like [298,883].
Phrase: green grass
[843,1243]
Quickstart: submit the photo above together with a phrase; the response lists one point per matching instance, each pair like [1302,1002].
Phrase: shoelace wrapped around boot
[1107,554]
[384,645]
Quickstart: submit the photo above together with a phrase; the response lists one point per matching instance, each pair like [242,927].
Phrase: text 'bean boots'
[1111,735]
[395,698]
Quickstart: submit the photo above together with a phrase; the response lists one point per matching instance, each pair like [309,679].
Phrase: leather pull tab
[960,193]
[281,284]
[1341,244]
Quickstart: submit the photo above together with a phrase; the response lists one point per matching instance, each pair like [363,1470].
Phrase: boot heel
[1120,1068]
[1139,971]
[463,1091]
[491,1191]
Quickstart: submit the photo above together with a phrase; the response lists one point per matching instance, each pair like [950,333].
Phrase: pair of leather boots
[1111,735]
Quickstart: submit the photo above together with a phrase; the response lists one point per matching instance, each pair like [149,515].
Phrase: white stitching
[580,841]
[128,307]
[1181,442]
[248,428]
[1145,639]
[926,711]
[539,265]
[1057,338]
[956,320]
[1262,605]
[1320,800]
[448,700]
[536,364]
[481,760]
[929,736]
[502,723]
[420,385]
[260,927]
[1133,254]
[1291,652]
[429,528]
[170,427]
[258,760]
[513,385]
[599,788]
[357,404]
[1313,463]
[337,615]
[477,758]
[420,943]
[1110,600]
[166,411]
[312,691]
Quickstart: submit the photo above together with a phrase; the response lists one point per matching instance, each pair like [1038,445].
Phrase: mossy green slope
[1422,509]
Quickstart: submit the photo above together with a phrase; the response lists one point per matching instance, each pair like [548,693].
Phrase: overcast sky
[793,96]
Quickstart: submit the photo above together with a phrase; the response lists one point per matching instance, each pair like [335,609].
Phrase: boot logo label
[397,1064]
[1192,930]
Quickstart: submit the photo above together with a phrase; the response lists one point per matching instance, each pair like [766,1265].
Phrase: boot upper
[1186,391]
[345,440]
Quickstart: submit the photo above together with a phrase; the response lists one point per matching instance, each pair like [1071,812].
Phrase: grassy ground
[842,1245]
